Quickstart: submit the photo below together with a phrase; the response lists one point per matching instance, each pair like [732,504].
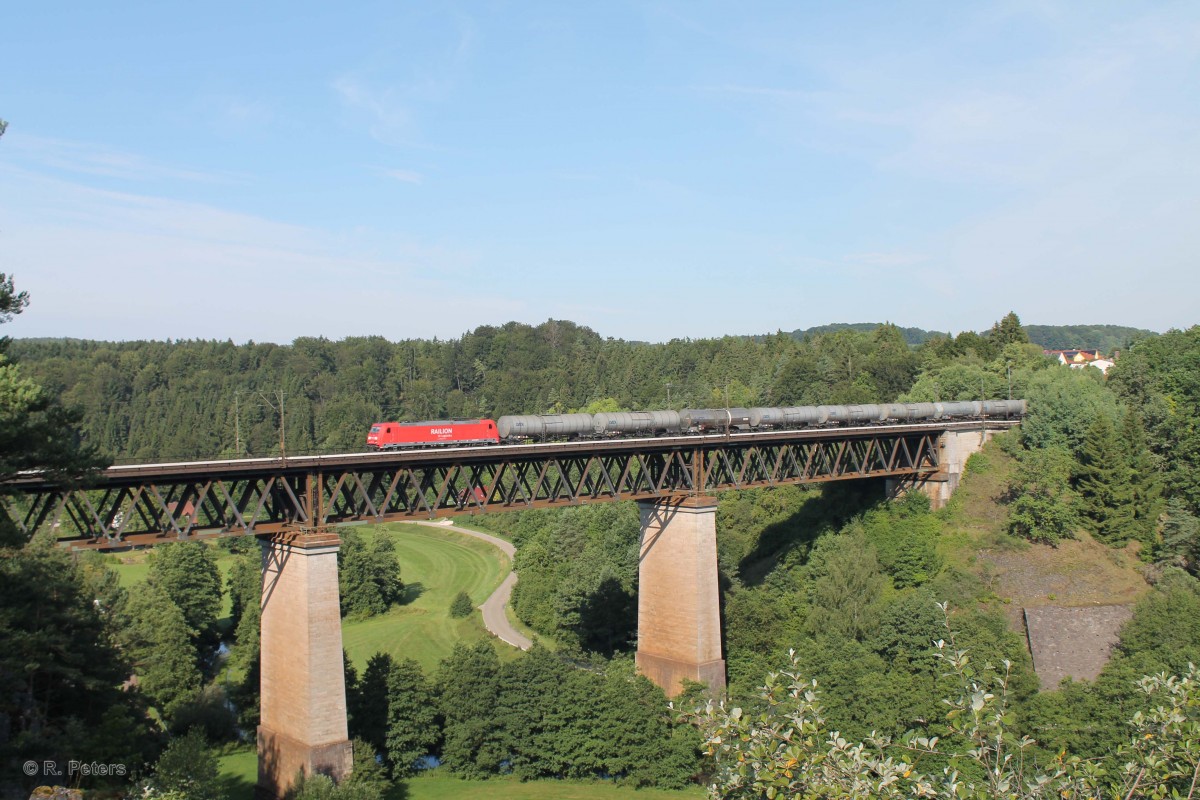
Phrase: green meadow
[435,565]
[239,772]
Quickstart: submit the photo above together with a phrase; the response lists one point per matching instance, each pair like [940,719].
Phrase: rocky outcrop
[1072,642]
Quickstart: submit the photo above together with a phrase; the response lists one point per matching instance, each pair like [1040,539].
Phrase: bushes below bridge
[543,715]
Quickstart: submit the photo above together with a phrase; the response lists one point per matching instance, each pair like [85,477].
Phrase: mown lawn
[437,786]
[435,565]
[239,771]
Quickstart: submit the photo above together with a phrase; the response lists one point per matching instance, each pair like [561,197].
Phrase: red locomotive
[447,433]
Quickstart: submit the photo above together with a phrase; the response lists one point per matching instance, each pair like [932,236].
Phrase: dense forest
[847,580]
[199,399]
[1105,338]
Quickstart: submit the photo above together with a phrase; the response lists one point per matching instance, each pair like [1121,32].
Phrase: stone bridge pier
[679,599]
[303,705]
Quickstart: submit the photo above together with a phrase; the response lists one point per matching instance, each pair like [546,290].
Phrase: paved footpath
[494,618]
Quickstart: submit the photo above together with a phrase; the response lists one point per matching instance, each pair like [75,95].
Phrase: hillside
[1020,574]
[1105,338]
[913,336]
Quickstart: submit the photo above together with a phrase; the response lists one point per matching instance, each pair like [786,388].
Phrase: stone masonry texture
[679,618]
[303,703]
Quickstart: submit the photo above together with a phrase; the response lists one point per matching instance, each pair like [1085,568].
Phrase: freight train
[613,424]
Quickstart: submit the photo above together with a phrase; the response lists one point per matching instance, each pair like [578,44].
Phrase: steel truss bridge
[156,503]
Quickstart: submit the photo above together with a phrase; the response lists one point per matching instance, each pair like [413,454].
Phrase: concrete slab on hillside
[1072,642]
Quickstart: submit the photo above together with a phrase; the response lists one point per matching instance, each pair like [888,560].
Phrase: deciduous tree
[187,573]
[1042,505]
[469,688]
[188,768]
[369,576]
[159,643]
[412,718]
[369,702]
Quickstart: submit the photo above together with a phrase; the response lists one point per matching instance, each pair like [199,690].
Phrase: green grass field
[435,565]
[239,770]
[436,786]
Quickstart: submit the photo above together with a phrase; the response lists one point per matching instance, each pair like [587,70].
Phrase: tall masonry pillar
[303,704]
[679,599]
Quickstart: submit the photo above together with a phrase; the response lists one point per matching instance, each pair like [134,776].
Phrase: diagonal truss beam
[155,509]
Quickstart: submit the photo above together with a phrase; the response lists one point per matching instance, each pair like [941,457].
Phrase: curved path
[494,618]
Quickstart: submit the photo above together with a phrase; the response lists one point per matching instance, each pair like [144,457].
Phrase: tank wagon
[545,426]
[613,424]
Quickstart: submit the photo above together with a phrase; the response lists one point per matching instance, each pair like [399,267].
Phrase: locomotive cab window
[374,429]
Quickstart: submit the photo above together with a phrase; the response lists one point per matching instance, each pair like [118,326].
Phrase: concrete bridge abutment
[679,612]
[303,686]
[954,448]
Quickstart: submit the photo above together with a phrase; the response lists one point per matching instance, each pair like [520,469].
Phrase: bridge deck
[152,503]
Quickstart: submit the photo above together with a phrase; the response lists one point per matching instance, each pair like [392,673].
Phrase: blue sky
[652,170]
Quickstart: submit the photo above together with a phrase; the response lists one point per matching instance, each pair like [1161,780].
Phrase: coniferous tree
[11,301]
[1009,331]
[246,656]
[59,667]
[1105,489]
[385,568]
[846,587]
[244,584]
[368,778]
[351,677]
[36,432]
[1144,480]
[461,606]
[104,585]
[1180,536]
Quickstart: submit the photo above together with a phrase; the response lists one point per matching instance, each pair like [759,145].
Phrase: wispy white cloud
[1074,154]
[228,115]
[83,158]
[391,86]
[390,118]
[885,260]
[1036,120]
[403,175]
[769,92]
[151,267]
